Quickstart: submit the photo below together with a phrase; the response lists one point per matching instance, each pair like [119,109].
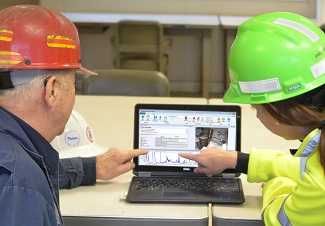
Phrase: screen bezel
[223,108]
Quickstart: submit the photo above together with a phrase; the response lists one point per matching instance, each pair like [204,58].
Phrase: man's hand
[212,160]
[115,162]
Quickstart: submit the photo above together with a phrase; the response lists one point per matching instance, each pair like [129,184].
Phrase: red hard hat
[34,37]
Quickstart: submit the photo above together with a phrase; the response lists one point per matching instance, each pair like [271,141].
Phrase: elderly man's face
[67,99]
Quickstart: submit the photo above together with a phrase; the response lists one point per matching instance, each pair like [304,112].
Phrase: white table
[106,201]
[104,204]
[246,214]
[111,117]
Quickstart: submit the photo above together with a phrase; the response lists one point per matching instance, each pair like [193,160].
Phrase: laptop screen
[167,130]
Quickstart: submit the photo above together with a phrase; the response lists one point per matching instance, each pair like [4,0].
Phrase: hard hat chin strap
[5,80]
[12,79]
[322,124]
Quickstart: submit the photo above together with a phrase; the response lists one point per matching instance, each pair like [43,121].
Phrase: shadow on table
[113,221]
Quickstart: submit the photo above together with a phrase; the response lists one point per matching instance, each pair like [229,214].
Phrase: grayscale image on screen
[212,137]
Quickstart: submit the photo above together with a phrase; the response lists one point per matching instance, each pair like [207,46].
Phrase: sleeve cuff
[242,162]
[89,165]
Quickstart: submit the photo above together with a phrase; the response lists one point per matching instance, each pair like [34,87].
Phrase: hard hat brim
[84,71]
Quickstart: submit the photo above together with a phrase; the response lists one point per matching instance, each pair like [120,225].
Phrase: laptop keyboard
[186,190]
[196,184]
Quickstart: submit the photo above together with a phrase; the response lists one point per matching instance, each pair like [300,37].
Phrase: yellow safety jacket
[294,192]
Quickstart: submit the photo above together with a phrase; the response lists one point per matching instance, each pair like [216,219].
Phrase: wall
[183,47]
[222,7]
[96,47]
[6,3]
[321,12]
[183,44]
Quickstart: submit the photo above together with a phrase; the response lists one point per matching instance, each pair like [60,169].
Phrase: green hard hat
[275,56]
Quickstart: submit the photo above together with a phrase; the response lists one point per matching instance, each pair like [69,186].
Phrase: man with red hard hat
[39,54]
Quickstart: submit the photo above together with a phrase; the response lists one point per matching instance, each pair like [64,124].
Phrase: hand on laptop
[212,160]
[115,162]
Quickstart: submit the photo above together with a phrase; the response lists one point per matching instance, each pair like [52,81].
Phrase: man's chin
[60,131]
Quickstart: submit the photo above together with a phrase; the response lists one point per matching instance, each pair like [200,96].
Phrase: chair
[138,46]
[126,83]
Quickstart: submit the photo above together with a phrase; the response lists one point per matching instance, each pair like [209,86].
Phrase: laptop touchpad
[178,194]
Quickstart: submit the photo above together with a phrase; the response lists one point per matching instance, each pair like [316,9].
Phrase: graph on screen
[166,158]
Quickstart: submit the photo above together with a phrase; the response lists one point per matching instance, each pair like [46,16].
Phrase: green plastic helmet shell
[275,56]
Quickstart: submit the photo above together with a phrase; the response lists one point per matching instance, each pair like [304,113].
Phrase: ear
[51,91]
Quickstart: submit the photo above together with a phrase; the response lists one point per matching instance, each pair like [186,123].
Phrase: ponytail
[322,144]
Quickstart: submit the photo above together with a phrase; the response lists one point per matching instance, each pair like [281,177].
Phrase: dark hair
[306,110]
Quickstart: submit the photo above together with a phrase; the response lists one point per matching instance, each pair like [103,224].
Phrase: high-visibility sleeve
[265,165]
[287,202]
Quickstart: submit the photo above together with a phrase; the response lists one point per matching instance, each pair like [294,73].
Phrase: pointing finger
[129,155]
[189,156]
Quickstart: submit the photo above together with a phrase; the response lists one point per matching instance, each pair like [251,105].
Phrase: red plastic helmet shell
[34,37]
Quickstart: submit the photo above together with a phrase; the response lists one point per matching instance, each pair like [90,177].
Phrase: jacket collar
[34,143]
[309,144]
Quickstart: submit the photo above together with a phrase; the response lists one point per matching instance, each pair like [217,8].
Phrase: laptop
[161,176]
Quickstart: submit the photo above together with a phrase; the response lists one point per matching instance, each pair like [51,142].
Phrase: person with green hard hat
[277,64]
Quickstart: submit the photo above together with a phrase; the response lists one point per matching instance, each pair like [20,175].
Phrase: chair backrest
[139,33]
[138,45]
[127,83]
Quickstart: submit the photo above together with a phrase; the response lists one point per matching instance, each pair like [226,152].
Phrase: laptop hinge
[144,174]
[228,175]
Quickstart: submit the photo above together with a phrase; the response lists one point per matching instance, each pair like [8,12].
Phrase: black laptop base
[185,190]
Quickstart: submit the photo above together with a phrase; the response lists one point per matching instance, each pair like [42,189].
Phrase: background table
[104,204]
[111,117]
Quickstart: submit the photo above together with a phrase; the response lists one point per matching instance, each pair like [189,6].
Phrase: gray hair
[27,82]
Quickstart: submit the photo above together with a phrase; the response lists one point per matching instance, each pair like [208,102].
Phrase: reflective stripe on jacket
[294,192]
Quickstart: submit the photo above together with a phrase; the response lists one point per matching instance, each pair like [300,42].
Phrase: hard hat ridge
[33,37]
[275,56]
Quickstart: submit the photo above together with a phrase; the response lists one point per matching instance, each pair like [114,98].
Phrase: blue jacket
[28,176]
